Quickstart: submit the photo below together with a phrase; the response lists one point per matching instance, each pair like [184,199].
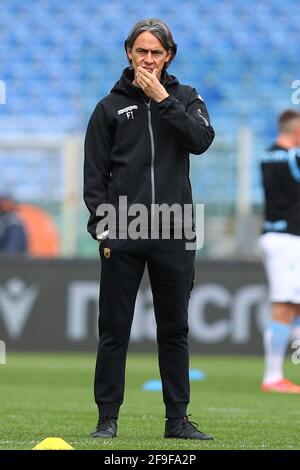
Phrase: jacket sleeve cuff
[166,102]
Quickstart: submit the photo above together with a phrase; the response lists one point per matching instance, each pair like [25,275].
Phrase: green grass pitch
[44,395]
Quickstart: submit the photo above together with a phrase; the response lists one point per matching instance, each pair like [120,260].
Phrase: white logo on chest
[128,110]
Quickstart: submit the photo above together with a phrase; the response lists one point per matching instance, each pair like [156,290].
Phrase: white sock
[296,328]
[276,339]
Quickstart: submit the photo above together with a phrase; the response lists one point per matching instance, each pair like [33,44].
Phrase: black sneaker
[106,427]
[182,428]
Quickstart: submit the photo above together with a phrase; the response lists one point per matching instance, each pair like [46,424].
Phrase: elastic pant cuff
[109,409]
[176,409]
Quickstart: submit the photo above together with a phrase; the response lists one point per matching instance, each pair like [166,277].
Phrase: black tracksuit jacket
[139,148]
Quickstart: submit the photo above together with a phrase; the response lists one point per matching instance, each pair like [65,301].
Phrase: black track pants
[171,270]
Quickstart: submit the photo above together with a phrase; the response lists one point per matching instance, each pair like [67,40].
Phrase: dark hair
[285,119]
[159,29]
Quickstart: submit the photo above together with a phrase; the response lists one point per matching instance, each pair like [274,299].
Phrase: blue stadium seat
[58,60]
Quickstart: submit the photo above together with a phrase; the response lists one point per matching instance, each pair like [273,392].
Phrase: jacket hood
[125,85]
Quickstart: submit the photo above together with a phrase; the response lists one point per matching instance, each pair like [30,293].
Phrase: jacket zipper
[152,163]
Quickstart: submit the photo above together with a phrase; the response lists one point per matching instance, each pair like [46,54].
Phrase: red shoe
[282,386]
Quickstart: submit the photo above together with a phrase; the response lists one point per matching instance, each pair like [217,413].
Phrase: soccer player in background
[280,244]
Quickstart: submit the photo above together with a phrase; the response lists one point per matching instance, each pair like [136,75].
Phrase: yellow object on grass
[53,443]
